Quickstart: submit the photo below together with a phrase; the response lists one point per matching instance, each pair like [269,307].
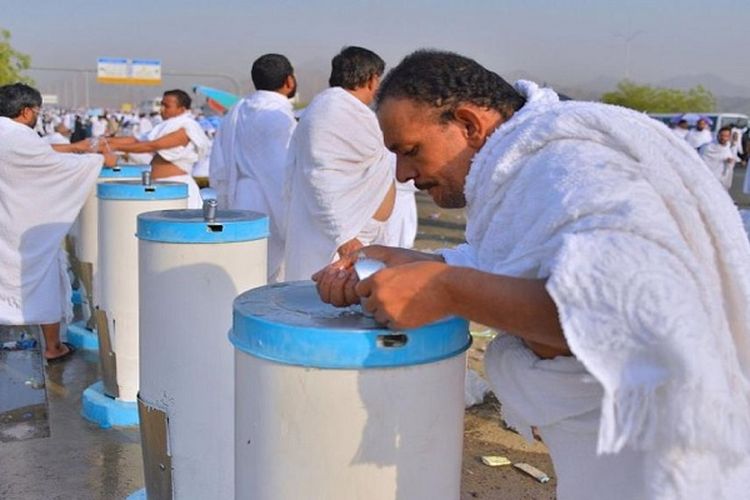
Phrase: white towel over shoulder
[41,193]
[338,172]
[186,156]
[649,267]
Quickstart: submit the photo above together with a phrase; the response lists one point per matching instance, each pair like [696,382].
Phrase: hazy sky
[565,43]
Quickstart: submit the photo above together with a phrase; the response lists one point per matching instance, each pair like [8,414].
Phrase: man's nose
[404,172]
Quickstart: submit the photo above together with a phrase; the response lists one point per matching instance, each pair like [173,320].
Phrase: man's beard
[444,198]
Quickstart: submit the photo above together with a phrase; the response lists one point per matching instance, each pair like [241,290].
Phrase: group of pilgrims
[720,152]
[607,256]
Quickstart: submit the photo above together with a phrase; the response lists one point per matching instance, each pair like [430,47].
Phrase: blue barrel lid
[123,172]
[136,190]
[288,323]
[189,226]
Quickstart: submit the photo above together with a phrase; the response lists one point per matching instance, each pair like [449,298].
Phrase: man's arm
[76,147]
[115,142]
[171,140]
[417,288]
[414,294]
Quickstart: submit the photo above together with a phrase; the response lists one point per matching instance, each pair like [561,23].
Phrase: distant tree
[12,62]
[660,99]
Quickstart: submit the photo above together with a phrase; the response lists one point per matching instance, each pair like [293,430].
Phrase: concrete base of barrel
[83,338]
[108,412]
[138,495]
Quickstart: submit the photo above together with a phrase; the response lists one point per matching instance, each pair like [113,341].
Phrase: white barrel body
[118,267]
[87,233]
[373,434]
[88,229]
[331,405]
[186,360]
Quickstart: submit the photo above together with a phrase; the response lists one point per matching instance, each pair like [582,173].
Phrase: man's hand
[350,247]
[110,159]
[409,295]
[393,256]
[336,281]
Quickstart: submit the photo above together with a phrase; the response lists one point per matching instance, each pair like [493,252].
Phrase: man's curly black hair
[444,80]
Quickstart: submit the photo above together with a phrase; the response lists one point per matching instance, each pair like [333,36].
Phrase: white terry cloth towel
[139,158]
[41,193]
[338,172]
[649,266]
[194,193]
[186,156]
[402,224]
[720,160]
[248,161]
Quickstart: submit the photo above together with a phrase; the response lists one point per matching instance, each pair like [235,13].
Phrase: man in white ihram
[340,187]
[41,193]
[178,143]
[249,151]
[700,135]
[613,264]
[720,157]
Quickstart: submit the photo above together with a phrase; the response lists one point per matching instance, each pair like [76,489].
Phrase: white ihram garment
[41,193]
[402,224]
[646,259]
[248,162]
[720,160]
[183,157]
[338,173]
[697,138]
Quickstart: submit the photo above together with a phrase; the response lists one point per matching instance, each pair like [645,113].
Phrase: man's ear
[474,128]
[373,82]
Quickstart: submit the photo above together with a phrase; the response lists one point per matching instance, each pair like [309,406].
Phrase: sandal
[63,357]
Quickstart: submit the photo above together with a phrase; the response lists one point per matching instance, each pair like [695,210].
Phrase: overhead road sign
[128,72]
[112,70]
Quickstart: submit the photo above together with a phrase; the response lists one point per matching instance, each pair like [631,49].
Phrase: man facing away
[177,143]
[340,188]
[249,151]
[681,128]
[719,157]
[615,266]
[41,193]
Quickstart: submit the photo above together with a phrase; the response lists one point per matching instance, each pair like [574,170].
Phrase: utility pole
[628,38]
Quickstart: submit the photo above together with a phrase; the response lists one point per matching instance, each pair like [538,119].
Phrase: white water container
[120,203]
[191,268]
[332,406]
[86,237]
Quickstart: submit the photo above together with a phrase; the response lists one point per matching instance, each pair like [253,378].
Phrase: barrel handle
[392,340]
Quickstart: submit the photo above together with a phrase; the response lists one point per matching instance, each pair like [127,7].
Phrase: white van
[716,120]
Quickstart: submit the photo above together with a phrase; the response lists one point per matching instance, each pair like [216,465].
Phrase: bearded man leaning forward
[614,267]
